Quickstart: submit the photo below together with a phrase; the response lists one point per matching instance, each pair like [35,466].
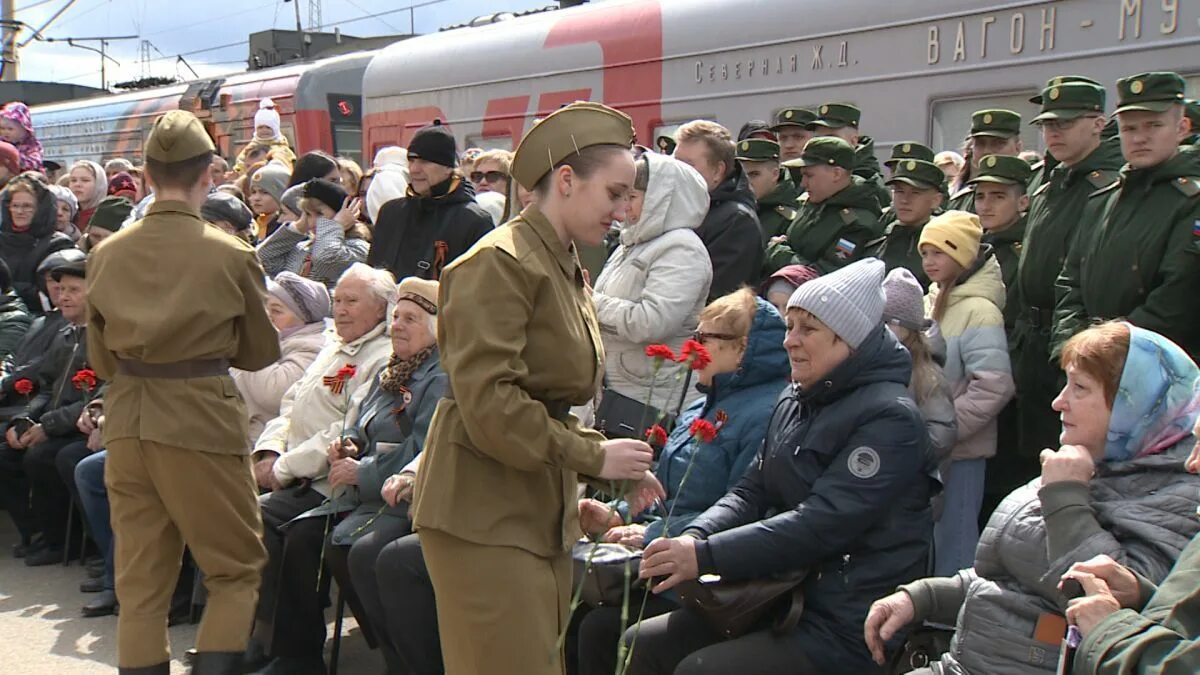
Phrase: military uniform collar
[171,205]
[545,231]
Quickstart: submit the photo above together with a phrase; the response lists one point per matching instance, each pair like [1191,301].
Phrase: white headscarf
[390,181]
[101,189]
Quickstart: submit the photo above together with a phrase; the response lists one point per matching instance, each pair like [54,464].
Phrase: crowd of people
[954,397]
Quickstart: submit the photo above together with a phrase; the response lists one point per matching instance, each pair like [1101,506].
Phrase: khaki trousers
[500,609]
[163,498]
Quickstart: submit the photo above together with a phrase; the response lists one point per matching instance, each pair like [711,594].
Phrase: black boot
[163,668]
[217,663]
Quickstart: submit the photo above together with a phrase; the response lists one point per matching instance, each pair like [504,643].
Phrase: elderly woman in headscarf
[68,207]
[16,127]
[389,432]
[88,183]
[28,213]
[1118,486]
[298,308]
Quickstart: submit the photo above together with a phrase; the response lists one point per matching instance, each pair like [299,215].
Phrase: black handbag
[618,416]
[602,581]
[738,607]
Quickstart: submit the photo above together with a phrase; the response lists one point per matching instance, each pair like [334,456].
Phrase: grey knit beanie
[905,302]
[271,179]
[291,198]
[849,300]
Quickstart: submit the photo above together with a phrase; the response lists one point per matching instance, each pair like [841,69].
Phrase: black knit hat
[436,144]
[328,193]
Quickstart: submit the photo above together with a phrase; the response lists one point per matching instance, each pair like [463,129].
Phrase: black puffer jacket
[732,235]
[842,487]
[24,251]
[419,236]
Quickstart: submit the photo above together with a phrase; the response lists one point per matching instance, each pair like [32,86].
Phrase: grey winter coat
[1142,513]
[329,253]
[655,283]
[387,442]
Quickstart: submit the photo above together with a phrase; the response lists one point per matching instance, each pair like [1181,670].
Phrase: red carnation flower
[347,371]
[84,380]
[23,386]
[656,436]
[695,355]
[660,353]
[703,431]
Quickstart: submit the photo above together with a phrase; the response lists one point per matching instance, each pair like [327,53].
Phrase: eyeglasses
[488,176]
[21,207]
[702,337]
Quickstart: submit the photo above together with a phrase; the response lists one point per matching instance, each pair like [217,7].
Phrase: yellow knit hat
[955,233]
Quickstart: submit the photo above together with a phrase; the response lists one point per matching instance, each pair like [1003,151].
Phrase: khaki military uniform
[496,497]
[173,303]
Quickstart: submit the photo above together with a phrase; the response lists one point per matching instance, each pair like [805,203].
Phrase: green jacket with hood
[1139,257]
[831,234]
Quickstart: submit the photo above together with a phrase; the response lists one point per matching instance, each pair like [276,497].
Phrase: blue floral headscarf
[1158,400]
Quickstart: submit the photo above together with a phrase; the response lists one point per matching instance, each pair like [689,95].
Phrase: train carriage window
[347,142]
[1192,90]
[951,119]
[496,143]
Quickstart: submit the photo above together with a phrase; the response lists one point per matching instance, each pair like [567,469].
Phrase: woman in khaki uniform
[496,499]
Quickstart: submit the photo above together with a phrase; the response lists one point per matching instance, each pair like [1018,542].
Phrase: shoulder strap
[1188,185]
[1102,178]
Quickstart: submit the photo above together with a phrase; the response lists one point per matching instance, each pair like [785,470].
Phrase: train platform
[44,634]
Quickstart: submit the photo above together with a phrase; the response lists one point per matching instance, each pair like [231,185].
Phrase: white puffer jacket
[654,285]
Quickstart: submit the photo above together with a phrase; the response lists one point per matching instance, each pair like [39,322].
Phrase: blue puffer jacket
[746,397]
[841,488]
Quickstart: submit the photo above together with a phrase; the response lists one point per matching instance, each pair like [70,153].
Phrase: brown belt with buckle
[179,370]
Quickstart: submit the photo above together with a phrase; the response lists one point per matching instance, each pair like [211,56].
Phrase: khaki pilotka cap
[1069,100]
[996,123]
[836,116]
[1002,169]
[793,117]
[1152,92]
[909,150]
[177,136]
[565,132]
[758,150]
[917,173]
[825,151]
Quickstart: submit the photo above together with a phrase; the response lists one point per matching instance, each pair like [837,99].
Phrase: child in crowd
[780,286]
[967,299]
[268,136]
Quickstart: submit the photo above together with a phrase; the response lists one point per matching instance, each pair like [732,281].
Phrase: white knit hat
[850,300]
[267,116]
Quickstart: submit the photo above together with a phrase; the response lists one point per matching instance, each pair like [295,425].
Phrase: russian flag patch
[844,249]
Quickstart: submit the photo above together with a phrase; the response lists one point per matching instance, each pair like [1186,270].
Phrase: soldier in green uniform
[1000,203]
[1042,169]
[1139,256]
[993,132]
[838,215]
[1192,110]
[772,186]
[1079,161]
[902,151]
[916,196]
[173,304]
[791,127]
[842,120]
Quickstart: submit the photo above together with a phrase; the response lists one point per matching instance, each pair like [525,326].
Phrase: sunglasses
[702,337]
[488,176]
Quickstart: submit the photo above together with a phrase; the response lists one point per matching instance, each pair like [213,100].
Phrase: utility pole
[102,51]
[314,15]
[11,65]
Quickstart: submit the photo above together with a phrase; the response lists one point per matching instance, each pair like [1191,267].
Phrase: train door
[345,120]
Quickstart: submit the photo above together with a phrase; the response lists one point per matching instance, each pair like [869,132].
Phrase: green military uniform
[793,117]
[835,232]
[909,150]
[1192,110]
[173,304]
[866,165]
[899,245]
[1006,243]
[777,209]
[995,123]
[496,497]
[1042,169]
[1055,215]
[1141,257]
